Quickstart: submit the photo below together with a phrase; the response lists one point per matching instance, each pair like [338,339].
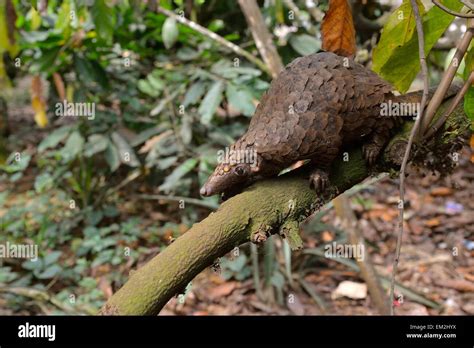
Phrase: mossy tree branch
[271,206]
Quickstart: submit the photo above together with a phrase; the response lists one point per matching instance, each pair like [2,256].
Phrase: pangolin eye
[239,171]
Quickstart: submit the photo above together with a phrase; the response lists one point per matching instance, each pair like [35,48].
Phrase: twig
[451,12]
[439,123]
[219,39]
[414,131]
[306,23]
[189,200]
[447,78]
[468,4]
[261,35]
[255,270]
[313,9]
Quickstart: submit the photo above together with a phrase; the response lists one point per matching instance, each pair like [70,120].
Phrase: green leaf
[180,171]
[73,146]
[112,156]
[402,65]
[398,30]
[52,257]
[240,98]
[305,44]
[469,104]
[95,143]
[211,102]
[187,53]
[43,181]
[54,138]
[103,16]
[195,93]
[90,71]
[146,87]
[156,82]
[46,63]
[126,153]
[169,32]
[49,272]
[35,18]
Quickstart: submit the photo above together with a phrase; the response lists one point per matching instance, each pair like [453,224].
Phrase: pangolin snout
[204,191]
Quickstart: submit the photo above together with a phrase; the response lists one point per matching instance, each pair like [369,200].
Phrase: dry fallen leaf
[59,84]
[223,290]
[153,140]
[327,236]
[433,222]
[441,191]
[356,291]
[37,102]
[338,29]
[457,284]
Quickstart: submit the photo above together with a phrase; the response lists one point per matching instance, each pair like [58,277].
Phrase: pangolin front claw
[319,180]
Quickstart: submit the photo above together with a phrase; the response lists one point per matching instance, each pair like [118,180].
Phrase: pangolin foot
[370,152]
[319,180]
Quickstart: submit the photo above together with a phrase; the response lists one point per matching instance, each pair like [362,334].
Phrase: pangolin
[317,105]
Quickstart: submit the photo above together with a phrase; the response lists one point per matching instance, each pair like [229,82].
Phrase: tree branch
[447,78]
[213,36]
[262,36]
[271,206]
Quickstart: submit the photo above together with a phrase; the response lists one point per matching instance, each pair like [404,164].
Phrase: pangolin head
[225,177]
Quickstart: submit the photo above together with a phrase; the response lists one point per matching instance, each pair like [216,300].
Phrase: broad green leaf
[195,93]
[211,102]
[50,272]
[469,104]
[54,138]
[240,98]
[43,181]
[186,130]
[180,171]
[403,63]
[88,70]
[305,44]
[159,107]
[146,87]
[73,146]
[126,153]
[95,143]
[469,97]
[5,44]
[166,162]
[169,32]
[187,53]
[35,18]
[397,32]
[112,156]
[46,63]
[156,82]
[104,19]
[52,257]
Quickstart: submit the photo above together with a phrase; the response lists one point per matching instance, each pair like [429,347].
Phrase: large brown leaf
[338,29]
